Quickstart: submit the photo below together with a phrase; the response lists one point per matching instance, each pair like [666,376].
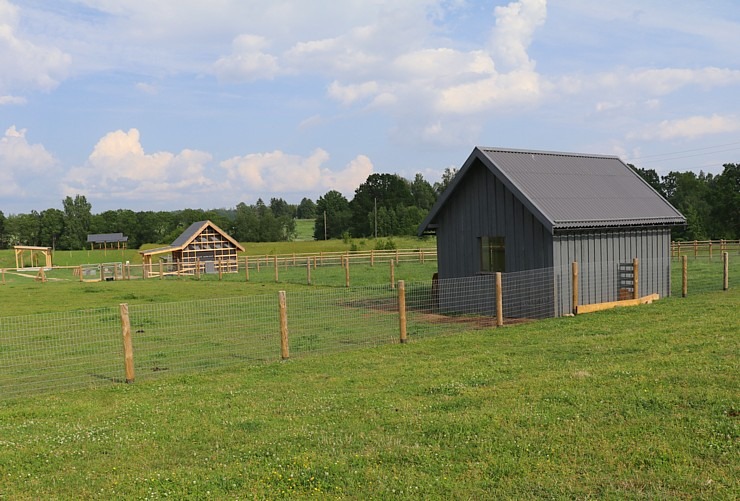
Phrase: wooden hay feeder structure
[202,247]
[34,254]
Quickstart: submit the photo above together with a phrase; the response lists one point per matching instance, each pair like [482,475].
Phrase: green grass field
[631,403]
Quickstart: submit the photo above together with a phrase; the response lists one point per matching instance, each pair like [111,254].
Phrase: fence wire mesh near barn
[81,349]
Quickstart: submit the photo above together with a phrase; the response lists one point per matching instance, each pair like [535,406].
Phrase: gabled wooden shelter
[102,240]
[203,246]
[34,252]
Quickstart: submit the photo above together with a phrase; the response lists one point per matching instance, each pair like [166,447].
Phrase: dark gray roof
[570,190]
[190,232]
[100,238]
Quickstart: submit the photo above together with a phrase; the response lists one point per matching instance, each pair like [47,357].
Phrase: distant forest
[384,205]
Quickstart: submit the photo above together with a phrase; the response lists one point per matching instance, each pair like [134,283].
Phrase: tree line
[400,207]
[710,203]
[384,205]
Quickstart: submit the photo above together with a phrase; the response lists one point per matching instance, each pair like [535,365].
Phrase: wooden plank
[590,308]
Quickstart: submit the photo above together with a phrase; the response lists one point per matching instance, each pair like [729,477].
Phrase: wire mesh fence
[56,351]
[84,348]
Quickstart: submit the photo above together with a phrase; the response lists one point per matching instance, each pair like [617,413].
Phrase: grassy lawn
[631,403]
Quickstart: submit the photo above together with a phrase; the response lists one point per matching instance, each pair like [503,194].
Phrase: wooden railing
[704,248]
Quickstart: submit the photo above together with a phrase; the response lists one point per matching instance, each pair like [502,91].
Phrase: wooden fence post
[372,258]
[393,275]
[161,270]
[277,278]
[696,248]
[284,348]
[499,301]
[685,276]
[128,346]
[635,278]
[258,265]
[726,273]
[246,268]
[79,268]
[402,309]
[574,274]
[710,250]
[346,272]
[308,271]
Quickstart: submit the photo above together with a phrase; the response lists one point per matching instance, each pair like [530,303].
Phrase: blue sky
[183,103]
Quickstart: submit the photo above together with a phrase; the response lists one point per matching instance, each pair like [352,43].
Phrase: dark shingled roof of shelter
[100,238]
[570,190]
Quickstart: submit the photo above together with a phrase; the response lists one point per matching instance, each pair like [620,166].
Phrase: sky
[177,104]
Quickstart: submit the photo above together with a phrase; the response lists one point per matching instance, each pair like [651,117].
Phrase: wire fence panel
[528,294]
[78,349]
[332,320]
[450,306]
[704,275]
[55,351]
[195,335]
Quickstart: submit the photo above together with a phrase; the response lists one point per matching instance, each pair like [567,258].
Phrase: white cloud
[348,94]
[5,100]
[247,62]
[689,128]
[24,165]
[279,172]
[118,167]
[515,26]
[26,65]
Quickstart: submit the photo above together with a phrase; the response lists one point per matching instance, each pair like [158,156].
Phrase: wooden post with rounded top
[283,307]
[402,309]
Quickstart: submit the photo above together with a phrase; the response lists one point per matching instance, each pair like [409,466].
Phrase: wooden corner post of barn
[402,309]
[128,346]
[635,278]
[574,281]
[283,307]
[499,301]
[726,272]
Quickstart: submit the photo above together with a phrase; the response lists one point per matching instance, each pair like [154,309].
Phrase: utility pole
[376,218]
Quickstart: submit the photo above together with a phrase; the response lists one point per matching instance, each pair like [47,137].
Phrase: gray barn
[516,210]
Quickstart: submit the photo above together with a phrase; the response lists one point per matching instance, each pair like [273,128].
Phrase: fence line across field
[704,248]
[79,349]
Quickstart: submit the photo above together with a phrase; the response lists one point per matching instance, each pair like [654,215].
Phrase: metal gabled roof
[570,190]
[190,233]
[106,238]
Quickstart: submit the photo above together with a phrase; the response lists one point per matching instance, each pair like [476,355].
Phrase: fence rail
[704,248]
[86,348]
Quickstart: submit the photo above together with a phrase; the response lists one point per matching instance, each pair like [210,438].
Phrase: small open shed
[34,254]
[103,240]
[511,210]
[202,244]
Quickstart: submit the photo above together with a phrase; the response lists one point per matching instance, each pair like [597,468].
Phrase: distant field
[304,229]
[634,403]
[75,258]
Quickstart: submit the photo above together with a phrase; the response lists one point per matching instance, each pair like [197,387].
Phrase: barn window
[493,257]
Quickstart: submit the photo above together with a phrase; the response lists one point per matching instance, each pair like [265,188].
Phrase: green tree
[382,190]
[3,240]
[725,201]
[306,209]
[335,207]
[51,227]
[447,176]
[76,222]
[246,223]
[688,193]
[23,229]
[423,192]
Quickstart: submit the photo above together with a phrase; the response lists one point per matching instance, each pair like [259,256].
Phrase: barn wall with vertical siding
[604,254]
[482,206]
